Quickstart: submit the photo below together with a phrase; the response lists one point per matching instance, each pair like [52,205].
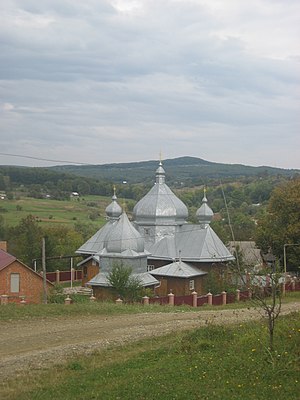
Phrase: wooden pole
[44,271]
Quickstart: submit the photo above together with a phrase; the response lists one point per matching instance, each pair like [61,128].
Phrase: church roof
[113,210]
[145,278]
[96,243]
[160,205]
[196,244]
[123,240]
[178,269]
[204,213]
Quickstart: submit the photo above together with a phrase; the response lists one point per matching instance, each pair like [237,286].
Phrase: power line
[44,159]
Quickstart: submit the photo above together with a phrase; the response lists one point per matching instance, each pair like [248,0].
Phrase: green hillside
[182,169]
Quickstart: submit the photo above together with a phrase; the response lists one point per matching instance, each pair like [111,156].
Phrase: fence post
[57,276]
[194,294]
[146,300]
[171,298]
[209,299]
[293,285]
[23,301]
[119,301]
[238,294]
[249,294]
[224,297]
[4,299]
[68,300]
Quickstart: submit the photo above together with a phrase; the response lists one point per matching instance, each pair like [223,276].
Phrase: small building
[90,268]
[179,278]
[18,281]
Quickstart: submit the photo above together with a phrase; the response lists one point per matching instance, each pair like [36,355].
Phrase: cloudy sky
[101,81]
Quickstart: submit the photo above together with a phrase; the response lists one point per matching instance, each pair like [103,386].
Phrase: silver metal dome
[113,210]
[160,205]
[204,213]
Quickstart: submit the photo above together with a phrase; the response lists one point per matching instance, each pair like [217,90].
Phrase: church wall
[138,265]
[179,286]
[89,271]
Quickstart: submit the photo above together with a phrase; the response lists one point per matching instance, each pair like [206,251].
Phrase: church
[164,251]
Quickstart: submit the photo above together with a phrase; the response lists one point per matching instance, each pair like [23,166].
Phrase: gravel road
[37,344]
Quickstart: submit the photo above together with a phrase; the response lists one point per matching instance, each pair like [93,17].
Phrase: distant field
[48,211]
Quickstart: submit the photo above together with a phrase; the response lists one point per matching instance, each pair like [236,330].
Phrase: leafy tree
[24,240]
[124,284]
[281,224]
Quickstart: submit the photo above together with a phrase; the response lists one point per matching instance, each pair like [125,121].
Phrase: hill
[182,169]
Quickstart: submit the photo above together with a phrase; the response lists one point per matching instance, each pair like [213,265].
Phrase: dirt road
[42,343]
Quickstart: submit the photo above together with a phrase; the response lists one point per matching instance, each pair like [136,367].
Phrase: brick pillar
[249,294]
[224,297]
[237,296]
[194,295]
[171,298]
[57,276]
[4,300]
[209,299]
[146,300]
[92,298]
[68,300]
[119,301]
[293,285]
[23,301]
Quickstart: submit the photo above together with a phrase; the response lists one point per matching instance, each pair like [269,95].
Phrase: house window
[94,262]
[192,284]
[150,268]
[14,283]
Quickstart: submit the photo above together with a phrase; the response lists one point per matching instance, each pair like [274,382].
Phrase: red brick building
[18,281]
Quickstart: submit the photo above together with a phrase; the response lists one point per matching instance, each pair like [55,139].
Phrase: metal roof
[196,244]
[96,243]
[178,269]
[145,278]
[160,205]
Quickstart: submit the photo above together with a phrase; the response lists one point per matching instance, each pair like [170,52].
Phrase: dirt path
[38,344]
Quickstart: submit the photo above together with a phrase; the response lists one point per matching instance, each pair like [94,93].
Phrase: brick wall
[31,284]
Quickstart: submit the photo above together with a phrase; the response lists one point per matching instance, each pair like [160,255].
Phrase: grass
[48,211]
[83,307]
[215,362]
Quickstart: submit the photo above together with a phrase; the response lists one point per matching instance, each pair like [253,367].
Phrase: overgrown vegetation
[214,362]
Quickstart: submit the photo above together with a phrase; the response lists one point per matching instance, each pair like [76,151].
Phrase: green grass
[215,362]
[50,211]
[84,307]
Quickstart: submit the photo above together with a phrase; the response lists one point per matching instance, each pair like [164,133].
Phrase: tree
[125,285]
[281,224]
[24,240]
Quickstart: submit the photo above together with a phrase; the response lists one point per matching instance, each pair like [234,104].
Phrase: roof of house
[5,259]
[178,269]
[250,253]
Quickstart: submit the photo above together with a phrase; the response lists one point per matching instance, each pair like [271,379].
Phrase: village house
[159,241]
[17,281]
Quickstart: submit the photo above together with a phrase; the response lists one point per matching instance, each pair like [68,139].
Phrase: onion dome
[113,210]
[204,213]
[123,237]
[160,206]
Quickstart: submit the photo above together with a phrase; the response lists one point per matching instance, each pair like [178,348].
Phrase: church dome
[204,213]
[113,210]
[123,237]
[160,205]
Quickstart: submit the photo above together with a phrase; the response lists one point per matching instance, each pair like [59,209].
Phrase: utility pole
[44,271]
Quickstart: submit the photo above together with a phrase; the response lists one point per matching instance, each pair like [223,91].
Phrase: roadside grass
[83,307]
[48,211]
[213,362]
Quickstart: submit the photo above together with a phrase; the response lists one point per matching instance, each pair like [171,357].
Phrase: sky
[109,81]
